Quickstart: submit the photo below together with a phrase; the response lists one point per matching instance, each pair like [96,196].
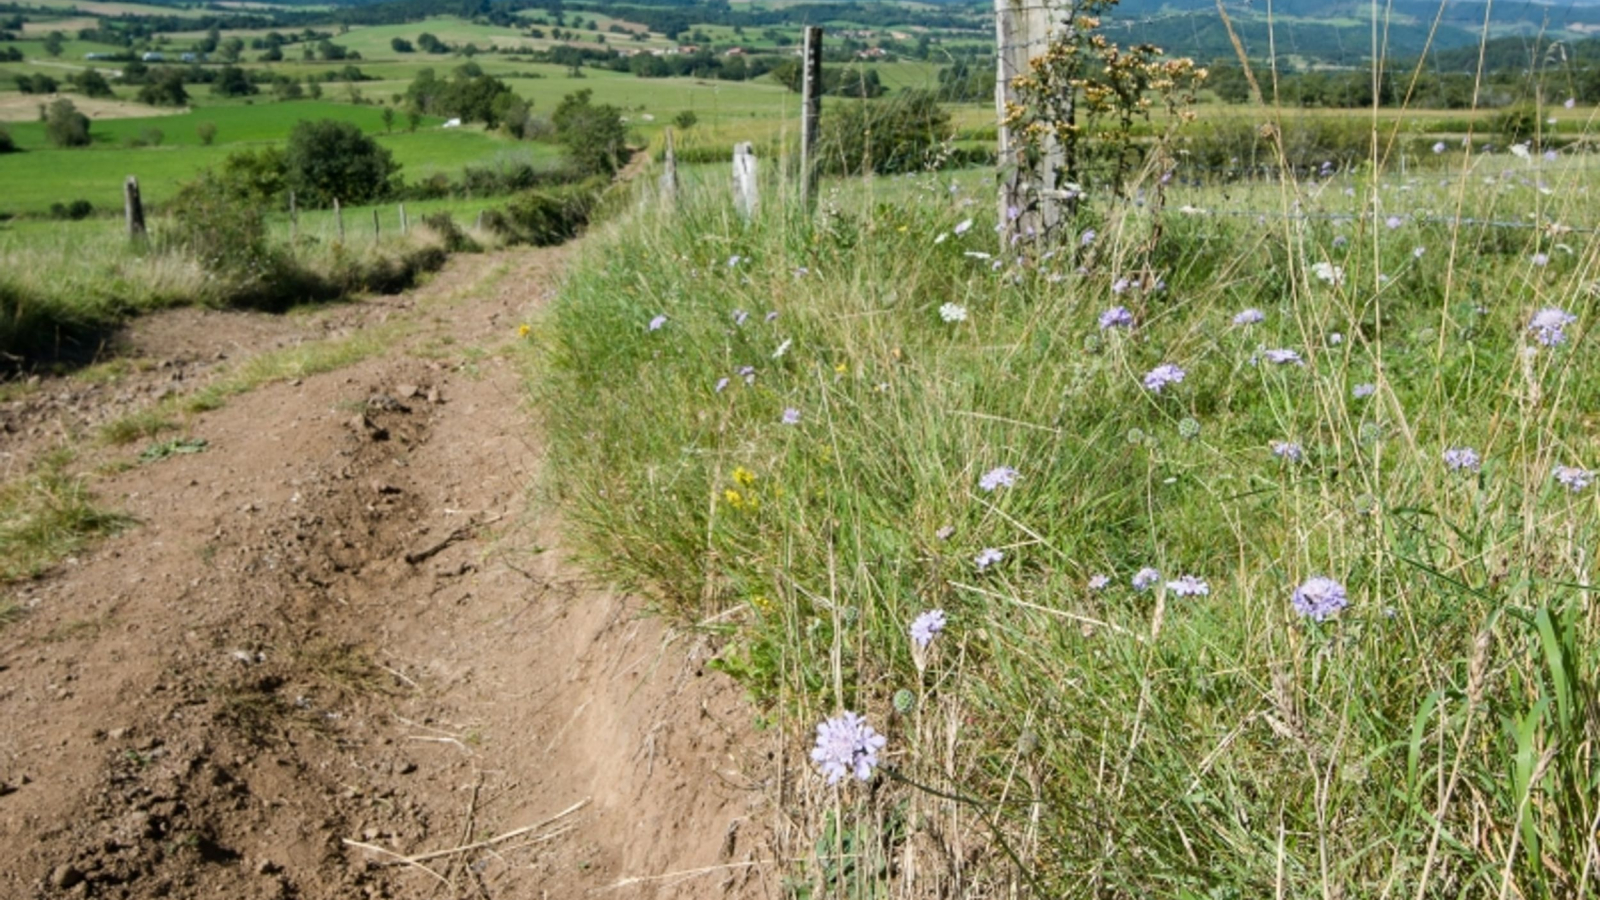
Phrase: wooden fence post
[1030,196]
[377,230]
[479,226]
[338,218]
[133,209]
[669,171]
[294,220]
[405,226]
[810,111]
[744,180]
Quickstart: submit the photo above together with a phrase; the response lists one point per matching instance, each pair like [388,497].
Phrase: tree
[413,118]
[53,43]
[7,145]
[231,49]
[388,119]
[401,45]
[431,44]
[232,82]
[165,89]
[594,136]
[207,132]
[92,84]
[328,159]
[65,126]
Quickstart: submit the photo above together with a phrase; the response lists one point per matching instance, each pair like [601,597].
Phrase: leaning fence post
[744,180]
[404,225]
[376,229]
[810,110]
[669,171]
[338,218]
[133,209]
[294,220]
[1030,199]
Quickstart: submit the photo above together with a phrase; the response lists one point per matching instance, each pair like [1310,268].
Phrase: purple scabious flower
[1548,325]
[748,373]
[999,477]
[1158,378]
[1189,586]
[721,383]
[1288,450]
[739,316]
[1120,286]
[1099,582]
[847,745]
[1439,147]
[1573,478]
[1541,259]
[926,627]
[1145,578]
[1089,234]
[772,316]
[1394,222]
[1283,357]
[961,227]
[657,322]
[734,260]
[1249,316]
[987,557]
[1319,598]
[1363,391]
[1462,459]
[791,416]
[1116,317]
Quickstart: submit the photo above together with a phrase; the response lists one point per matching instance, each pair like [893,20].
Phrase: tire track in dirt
[347,633]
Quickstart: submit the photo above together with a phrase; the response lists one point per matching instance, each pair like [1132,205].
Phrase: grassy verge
[45,517]
[813,433]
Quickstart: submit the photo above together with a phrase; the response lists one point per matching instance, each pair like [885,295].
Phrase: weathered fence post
[377,230]
[405,226]
[1030,195]
[294,220]
[669,172]
[479,226]
[133,209]
[338,218]
[744,180]
[810,110]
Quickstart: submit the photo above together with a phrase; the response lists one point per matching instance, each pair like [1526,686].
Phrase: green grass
[47,515]
[1122,743]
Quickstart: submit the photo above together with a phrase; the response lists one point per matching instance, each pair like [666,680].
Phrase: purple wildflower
[748,373]
[1189,586]
[1319,598]
[1099,582]
[1548,325]
[1158,378]
[987,557]
[1462,459]
[791,416]
[1120,286]
[1569,103]
[1002,476]
[1574,478]
[1145,578]
[1116,317]
[739,316]
[1288,450]
[1089,234]
[926,627]
[847,745]
[1394,222]
[721,383]
[657,322]
[1439,147]
[1363,391]
[1249,316]
[772,316]
[961,227]
[1283,357]
[1551,156]
[1541,259]
[734,260]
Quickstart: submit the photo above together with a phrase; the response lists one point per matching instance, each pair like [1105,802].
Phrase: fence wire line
[1470,221]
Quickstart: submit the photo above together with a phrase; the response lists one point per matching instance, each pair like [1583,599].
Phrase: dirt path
[347,633]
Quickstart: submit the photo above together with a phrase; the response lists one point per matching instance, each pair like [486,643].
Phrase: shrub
[547,216]
[7,145]
[327,160]
[92,84]
[888,137]
[165,89]
[207,132]
[75,211]
[227,238]
[455,240]
[65,126]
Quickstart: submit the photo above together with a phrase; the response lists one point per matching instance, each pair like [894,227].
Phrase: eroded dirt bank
[343,652]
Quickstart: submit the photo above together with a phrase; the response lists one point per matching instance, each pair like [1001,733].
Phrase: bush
[455,240]
[65,126]
[328,160]
[594,136]
[547,216]
[92,84]
[227,238]
[165,89]
[889,137]
[75,211]
[207,132]
[7,145]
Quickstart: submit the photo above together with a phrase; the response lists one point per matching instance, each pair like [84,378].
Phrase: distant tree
[151,137]
[274,54]
[315,90]
[285,88]
[401,45]
[428,43]
[594,137]
[7,145]
[53,43]
[388,119]
[413,118]
[231,49]
[685,120]
[233,82]
[38,83]
[65,126]
[207,132]
[328,159]
[165,89]
[255,176]
[92,84]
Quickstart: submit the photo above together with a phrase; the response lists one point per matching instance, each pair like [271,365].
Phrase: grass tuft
[46,516]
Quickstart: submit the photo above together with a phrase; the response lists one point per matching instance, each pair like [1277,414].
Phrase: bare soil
[344,651]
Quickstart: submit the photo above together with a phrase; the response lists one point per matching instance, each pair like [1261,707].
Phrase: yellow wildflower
[524,330]
[733,498]
[744,476]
